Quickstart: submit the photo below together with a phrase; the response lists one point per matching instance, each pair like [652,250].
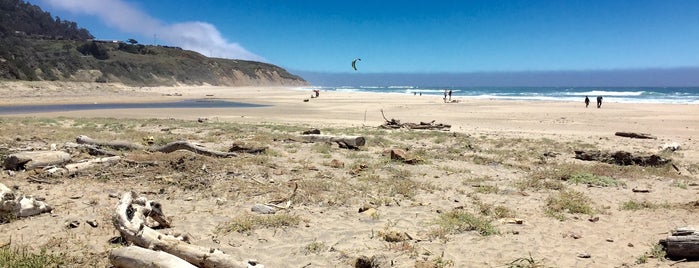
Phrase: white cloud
[193,35]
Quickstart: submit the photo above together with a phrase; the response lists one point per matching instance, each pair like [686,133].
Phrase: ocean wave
[606,93]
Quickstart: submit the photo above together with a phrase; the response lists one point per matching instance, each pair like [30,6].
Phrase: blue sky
[408,36]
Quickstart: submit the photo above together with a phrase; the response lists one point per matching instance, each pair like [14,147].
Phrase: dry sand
[348,234]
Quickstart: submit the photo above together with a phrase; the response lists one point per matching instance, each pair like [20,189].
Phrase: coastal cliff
[36,47]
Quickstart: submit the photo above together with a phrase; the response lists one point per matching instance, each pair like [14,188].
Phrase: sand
[619,238]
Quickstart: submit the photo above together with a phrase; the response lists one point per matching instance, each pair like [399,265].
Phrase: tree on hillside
[132,41]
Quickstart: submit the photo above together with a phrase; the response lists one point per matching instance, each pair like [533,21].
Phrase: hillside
[36,47]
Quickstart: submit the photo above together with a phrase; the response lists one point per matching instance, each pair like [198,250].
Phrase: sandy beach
[494,143]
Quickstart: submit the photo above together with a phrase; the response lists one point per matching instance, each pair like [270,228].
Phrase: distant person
[587,101]
[445,95]
[599,101]
[450,95]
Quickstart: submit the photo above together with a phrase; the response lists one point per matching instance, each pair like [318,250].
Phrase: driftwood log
[14,205]
[351,142]
[682,244]
[35,159]
[622,158]
[396,124]
[130,220]
[73,168]
[238,147]
[635,135]
[167,148]
[133,256]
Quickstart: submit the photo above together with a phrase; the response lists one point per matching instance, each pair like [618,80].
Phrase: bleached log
[20,206]
[71,169]
[183,145]
[35,159]
[117,145]
[137,257]
[352,141]
[167,148]
[129,220]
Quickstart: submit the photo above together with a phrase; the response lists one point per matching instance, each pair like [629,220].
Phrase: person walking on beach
[587,101]
[445,95]
[450,95]
[599,101]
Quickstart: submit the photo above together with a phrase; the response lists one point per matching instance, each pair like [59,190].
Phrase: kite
[354,63]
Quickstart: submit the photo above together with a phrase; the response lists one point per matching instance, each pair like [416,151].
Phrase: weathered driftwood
[621,158]
[130,221]
[71,169]
[167,148]
[238,147]
[137,257]
[635,135]
[19,205]
[396,124]
[344,141]
[35,159]
[683,243]
[91,149]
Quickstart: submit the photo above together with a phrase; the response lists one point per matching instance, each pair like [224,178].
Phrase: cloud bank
[198,36]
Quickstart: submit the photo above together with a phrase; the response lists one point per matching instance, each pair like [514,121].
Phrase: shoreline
[358,109]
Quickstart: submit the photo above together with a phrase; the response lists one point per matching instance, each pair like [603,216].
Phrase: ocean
[676,95]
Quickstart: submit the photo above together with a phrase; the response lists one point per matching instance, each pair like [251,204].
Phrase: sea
[675,95]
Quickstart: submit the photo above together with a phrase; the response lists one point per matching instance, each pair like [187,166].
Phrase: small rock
[629,245]
[188,198]
[113,195]
[263,209]
[202,119]
[311,131]
[220,201]
[93,223]
[595,219]
[584,255]
[610,240]
[76,197]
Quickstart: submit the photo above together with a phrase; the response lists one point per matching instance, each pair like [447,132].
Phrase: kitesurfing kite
[354,63]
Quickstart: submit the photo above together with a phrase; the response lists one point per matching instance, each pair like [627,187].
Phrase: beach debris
[396,124]
[202,119]
[621,158]
[30,160]
[682,243]
[635,135]
[240,147]
[402,156]
[640,190]
[130,219]
[13,205]
[512,221]
[263,209]
[167,148]
[74,168]
[346,142]
[73,224]
[311,131]
[584,255]
[93,223]
[670,146]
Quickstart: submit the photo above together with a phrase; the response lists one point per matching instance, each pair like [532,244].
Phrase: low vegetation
[467,186]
